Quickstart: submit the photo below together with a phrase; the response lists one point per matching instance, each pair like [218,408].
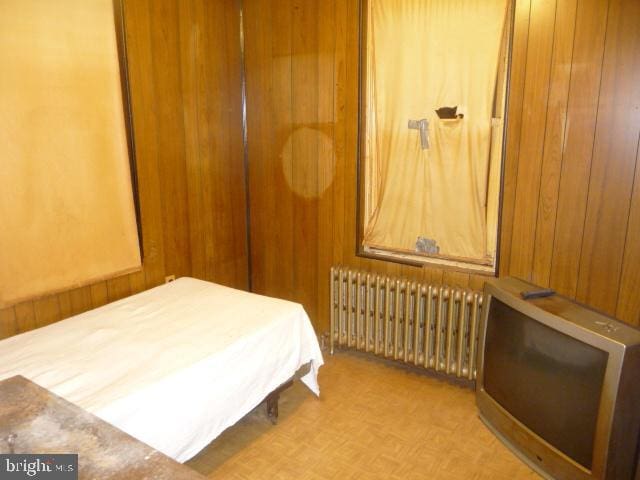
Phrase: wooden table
[34,420]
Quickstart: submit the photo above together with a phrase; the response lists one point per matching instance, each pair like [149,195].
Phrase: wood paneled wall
[184,67]
[571,208]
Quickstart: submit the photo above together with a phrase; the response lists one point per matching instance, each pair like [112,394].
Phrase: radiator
[430,326]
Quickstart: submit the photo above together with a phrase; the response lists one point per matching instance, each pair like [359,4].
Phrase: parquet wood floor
[373,421]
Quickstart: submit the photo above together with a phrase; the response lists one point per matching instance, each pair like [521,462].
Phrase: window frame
[426,260]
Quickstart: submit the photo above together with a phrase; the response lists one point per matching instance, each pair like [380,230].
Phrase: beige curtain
[423,55]
[67,215]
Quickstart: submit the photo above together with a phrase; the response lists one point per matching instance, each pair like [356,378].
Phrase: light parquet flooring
[373,421]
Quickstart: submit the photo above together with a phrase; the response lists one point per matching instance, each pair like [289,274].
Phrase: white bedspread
[173,366]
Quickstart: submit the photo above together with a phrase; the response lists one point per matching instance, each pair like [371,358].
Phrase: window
[66,202]
[432,103]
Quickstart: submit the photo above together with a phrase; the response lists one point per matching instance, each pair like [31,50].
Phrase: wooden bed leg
[272,407]
[272,401]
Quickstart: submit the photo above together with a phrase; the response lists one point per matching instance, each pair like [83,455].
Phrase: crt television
[559,384]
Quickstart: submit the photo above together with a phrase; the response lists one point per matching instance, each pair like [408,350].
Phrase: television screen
[548,381]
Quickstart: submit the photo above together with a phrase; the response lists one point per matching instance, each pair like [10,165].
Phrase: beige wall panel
[67,207]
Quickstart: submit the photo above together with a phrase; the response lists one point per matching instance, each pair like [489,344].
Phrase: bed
[172,366]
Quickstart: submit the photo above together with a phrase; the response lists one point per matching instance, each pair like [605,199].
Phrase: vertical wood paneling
[80,299]
[8,325]
[455,279]
[234,267]
[25,317]
[520,42]
[535,99]
[570,217]
[582,112]
[476,282]
[268,34]
[258,67]
[64,304]
[305,152]
[352,32]
[165,45]
[118,288]
[340,128]
[628,308]
[554,139]
[137,282]
[281,205]
[192,44]
[145,122]
[326,155]
[99,294]
[213,132]
[614,160]
[557,120]
[176,87]
[46,310]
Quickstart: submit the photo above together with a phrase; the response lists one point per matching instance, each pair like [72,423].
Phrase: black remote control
[543,292]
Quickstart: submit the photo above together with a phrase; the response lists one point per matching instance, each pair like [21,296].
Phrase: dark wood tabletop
[34,420]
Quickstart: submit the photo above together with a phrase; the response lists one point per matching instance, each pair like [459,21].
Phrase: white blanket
[173,366]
